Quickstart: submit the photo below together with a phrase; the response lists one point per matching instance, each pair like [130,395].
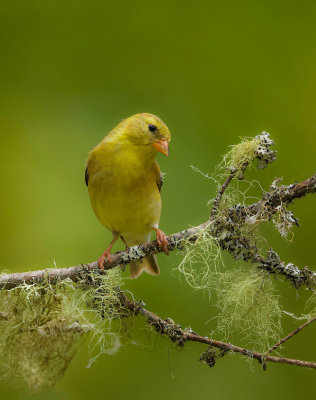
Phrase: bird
[124,183]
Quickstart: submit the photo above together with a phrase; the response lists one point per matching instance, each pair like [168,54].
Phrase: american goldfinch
[124,183]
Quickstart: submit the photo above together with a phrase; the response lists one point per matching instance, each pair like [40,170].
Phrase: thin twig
[220,193]
[291,335]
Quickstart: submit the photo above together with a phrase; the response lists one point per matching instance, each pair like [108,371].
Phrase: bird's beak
[162,146]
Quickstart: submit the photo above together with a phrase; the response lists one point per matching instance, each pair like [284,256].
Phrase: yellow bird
[124,183]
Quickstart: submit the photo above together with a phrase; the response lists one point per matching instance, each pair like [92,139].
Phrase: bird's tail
[148,264]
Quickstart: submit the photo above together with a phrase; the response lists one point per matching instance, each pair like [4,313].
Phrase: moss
[240,156]
[310,306]
[36,341]
[201,261]
[211,355]
[246,299]
[208,357]
[105,311]
[249,305]
[284,220]
[43,324]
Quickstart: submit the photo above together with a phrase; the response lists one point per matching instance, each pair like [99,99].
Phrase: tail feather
[148,264]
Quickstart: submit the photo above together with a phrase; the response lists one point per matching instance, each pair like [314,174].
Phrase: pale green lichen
[240,156]
[201,260]
[246,298]
[36,341]
[283,220]
[248,305]
[133,253]
[43,324]
[104,310]
[310,306]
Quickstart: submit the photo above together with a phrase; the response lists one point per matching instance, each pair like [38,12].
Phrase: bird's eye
[152,127]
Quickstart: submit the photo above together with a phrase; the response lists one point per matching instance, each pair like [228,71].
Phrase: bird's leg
[161,240]
[107,252]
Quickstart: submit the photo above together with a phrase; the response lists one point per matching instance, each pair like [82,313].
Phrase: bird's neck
[143,156]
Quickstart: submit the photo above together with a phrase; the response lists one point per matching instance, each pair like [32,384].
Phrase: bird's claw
[162,241]
[106,255]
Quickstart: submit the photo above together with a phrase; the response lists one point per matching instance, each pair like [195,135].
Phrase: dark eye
[152,127]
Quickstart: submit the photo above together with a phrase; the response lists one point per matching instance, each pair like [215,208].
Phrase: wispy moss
[246,298]
[240,155]
[310,307]
[284,220]
[201,261]
[248,305]
[104,310]
[42,324]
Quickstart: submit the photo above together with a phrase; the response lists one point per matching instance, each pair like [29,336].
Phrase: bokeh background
[213,71]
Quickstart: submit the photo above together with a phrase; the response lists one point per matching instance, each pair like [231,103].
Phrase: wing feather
[159,177]
[86,176]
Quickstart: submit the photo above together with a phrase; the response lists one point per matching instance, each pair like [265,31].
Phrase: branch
[279,195]
[177,335]
[291,335]
[220,193]
[237,245]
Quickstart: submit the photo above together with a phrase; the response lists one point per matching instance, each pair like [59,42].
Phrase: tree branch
[220,193]
[279,195]
[237,245]
[179,336]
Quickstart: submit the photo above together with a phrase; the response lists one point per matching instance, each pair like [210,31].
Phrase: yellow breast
[123,189]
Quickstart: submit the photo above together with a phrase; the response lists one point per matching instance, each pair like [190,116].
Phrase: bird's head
[147,131]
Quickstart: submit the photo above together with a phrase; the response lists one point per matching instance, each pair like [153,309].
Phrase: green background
[213,71]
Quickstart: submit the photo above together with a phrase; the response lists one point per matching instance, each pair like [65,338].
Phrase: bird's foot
[106,255]
[162,240]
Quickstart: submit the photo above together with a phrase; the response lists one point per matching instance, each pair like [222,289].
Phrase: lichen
[43,325]
[36,340]
[235,234]
[201,260]
[265,155]
[248,305]
[211,355]
[241,155]
[310,307]
[283,220]
[102,295]
[133,253]
[246,298]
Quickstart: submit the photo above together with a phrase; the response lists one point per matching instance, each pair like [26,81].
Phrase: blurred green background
[213,71]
